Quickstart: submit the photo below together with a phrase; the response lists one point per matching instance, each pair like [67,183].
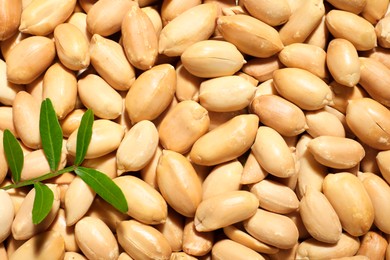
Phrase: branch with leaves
[51,138]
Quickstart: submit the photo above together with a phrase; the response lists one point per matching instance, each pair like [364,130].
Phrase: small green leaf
[43,202]
[104,187]
[84,135]
[51,134]
[13,154]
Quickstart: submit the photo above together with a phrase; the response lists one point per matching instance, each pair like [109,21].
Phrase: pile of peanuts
[250,130]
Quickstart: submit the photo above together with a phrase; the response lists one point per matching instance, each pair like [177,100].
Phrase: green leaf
[43,202]
[13,154]
[84,135]
[51,134]
[104,187]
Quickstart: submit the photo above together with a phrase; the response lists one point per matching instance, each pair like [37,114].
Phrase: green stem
[40,178]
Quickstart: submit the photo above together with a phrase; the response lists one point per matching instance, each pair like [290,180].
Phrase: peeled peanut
[145,203]
[137,147]
[371,71]
[280,231]
[7,215]
[240,236]
[79,19]
[51,246]
[183,125]
[313,249]
[8,90]
[41,16]
[149,172]
[321,122]
[35,88]
[275,197]
[139,38]
[351,6]
[379,192]
[342,95]
[104,211]
[226,142]
[153,13]
[351,202]
[72,46]
[29,59]
[211,58]
[343,62]
[312,94]
[194,25]
[171,9]
[291,120]
[349,26]
[375,131]
[60,86]
[151,93]
[223,178]
[382,31]
[109,60]
[252,172]
[272,13]
[225,94]
[172,229]
[194,242]
[302,22]
[262,68]
[71,122]
[219,118]
[78,198]
[11,11]
[228,249]
[248,77]
[369,162]
[105,17]
[25,114]
[272,153]
[7,45]
[373,245]
[105,164]
[106,138]
[187,85]
[36,164]
[23,227]
[175,173]
[250,35]
[95,239]
[373,11]
[319,36]
[98,95]
[382,159]
[141,241]
[311,173]
[6,120]
[17,195]
[224,210]
[319,217]
[336,152]
[67,233]
[304,56]
[380,54]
